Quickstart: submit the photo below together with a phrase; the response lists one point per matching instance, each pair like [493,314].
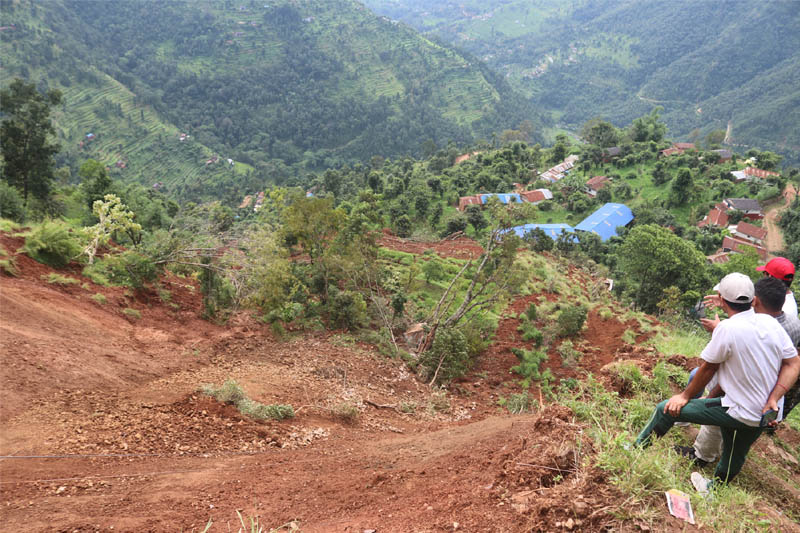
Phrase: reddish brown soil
[108,428]
[460,248]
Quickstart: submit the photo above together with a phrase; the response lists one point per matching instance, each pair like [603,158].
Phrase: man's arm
[790,368]
[698,384]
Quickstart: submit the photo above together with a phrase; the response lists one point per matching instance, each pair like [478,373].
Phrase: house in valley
[595,184]
[749,207]
[717,216]
[749,232]
[677,149]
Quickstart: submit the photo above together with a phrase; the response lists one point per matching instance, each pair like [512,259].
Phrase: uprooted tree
[494,276]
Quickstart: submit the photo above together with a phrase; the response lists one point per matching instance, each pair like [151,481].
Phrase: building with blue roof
[551,230]
[505,198]
[605,221]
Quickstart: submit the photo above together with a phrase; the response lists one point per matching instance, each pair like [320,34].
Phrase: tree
[600,133]
[475,218]
[714,139]
[94,181]
[112,216]
[26,130]
[653,258]
[648,127]
[682,187]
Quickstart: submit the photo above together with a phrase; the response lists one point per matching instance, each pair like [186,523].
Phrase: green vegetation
[99,298]
[571,320]
[231,393]
[52,243]
[58,279]
[584,60]
[132,313]
[518,404]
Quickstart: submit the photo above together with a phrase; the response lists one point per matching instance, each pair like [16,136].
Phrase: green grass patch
[100,298]
[58,279]
[9,266]
[9,226]
[686,342]
[132,313]
[231,393]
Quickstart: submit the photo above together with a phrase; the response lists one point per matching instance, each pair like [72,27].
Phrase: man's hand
[771,405]
[712,300]
[710,323]
[675,404]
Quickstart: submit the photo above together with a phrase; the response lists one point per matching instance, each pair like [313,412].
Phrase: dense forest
[280,90]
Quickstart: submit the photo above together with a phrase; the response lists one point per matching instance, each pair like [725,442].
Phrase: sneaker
[701,484]
[688,452]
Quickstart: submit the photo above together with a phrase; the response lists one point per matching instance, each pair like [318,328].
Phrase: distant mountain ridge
[706,63]
[280,87]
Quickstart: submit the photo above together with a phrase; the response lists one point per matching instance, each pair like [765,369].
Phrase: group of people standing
[748,373]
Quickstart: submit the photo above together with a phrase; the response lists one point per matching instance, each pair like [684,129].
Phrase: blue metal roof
[604,221]
[552,230]
[506,198]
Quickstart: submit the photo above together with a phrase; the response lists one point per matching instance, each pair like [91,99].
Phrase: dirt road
[775,235]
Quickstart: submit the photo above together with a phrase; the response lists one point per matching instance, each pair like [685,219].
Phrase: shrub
[11,205]
[433,270]
[99,298]
[449,355]
[629,336]
[438,402]
[9,266]
[571,320]
[529,366]
[133,313]
[530,312]
[52,244]
[346,412]
[58,279]
[604,313]
[531,333]
[518,403]
[129,269]
[569,355]
[347,309]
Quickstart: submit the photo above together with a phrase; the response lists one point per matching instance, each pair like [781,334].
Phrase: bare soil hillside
[108,432]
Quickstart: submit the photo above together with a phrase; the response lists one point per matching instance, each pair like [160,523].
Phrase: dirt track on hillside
[774,234]
[108,428]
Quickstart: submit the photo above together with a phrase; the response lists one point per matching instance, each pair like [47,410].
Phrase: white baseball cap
[736,288]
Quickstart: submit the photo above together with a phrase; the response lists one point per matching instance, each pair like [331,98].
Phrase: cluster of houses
[534,197]
[744,235]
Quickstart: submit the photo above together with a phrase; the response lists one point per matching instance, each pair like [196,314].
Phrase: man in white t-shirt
[755,363]
[783,269]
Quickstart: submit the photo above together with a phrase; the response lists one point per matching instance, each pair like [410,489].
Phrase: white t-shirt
[749,348]
[790,305]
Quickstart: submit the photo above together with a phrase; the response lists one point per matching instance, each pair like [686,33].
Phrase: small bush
[518,403]
[531,333]
[571,320]
[530,312]
[128,269]
[346,412]
[569,355]
[58,279]
[347,309]
[132,313]
[11,204]
[52,244]
[9,266]
[629,336]
[529,366]
[438,402]
[605,313]
[99,298]
[407,407]
[449,354]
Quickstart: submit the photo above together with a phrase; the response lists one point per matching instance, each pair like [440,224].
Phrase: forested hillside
[707,63]
[280,88]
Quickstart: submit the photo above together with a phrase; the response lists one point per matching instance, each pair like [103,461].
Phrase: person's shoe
[688,452]
[701,484]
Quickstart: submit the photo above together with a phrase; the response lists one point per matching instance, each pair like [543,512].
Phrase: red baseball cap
[780,268]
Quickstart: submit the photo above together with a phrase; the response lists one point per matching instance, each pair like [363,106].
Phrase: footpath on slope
[774,234]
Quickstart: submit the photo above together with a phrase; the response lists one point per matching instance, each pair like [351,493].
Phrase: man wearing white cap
[755,363]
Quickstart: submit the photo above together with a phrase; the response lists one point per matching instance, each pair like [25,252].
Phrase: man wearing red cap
[783,269]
